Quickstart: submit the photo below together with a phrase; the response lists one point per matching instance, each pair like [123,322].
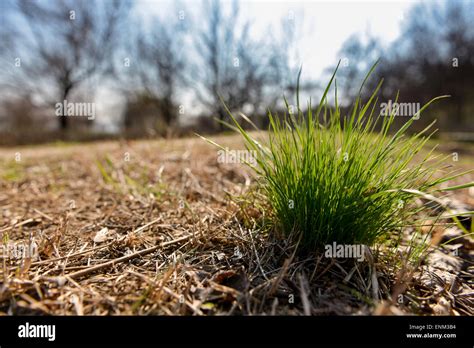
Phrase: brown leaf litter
[164,233]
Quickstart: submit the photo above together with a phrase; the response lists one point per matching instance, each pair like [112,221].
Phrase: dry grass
[160,231]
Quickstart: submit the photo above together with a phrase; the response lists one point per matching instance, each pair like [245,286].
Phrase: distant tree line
[68,47]
[433,56]
[65,50]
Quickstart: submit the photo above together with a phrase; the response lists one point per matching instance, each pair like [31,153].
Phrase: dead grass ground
[156,227]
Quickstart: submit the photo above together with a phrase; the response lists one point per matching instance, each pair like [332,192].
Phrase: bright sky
[327,24]
[324,25]
[323,28]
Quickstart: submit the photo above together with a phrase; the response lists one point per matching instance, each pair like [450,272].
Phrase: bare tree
[232,65]
[433,56]
[357,55]
[160,65]
[63,44]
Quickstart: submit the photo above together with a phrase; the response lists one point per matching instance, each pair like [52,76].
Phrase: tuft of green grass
[348,180]
[123,183]
[12,171]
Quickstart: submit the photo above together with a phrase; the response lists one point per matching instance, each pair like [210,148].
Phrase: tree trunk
[63,123]
[63,119]
[221,114]
[168,112]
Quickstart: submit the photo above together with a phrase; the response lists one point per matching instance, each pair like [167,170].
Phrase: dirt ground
[161,228]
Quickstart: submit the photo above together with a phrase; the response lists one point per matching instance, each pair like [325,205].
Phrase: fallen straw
[74,275]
